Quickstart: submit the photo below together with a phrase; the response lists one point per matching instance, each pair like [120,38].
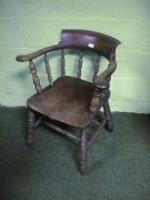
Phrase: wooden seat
[70,100]
[65,101]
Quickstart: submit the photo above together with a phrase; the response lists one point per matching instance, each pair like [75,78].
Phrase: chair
[70,100]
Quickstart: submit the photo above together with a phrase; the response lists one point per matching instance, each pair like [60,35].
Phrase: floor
[119,163]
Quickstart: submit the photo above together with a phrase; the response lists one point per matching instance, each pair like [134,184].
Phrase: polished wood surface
[90,40]
[70,100]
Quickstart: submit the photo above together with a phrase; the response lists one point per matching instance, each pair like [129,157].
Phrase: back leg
[31,127]
[107,113]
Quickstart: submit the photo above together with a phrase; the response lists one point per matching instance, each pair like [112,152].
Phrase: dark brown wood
[96,68]
[91,141]
[103,79]
[31,127]
[94,121]
[101,43]
[69,100]
[62,63]
[39,122]
[96,101]
[80,64]
[107,113]
[82,39]
[64,132]
[83,155]
[31,56]
[48,70]
[35,77]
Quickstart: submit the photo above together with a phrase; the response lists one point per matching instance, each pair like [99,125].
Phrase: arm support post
[101,84]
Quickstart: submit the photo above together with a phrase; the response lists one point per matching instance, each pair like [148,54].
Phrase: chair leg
[83,153]
[107,113]
[30,128]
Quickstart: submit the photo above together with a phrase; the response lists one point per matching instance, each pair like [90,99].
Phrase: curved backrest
[90,40]
[81,40]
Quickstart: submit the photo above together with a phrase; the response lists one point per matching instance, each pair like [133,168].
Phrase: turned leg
[31,128]
[83,153]
[107,113]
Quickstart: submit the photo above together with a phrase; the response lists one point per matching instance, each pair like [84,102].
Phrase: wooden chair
[70,100]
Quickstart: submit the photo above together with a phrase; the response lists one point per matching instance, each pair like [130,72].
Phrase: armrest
[101,86]
[29,57]
[102,80]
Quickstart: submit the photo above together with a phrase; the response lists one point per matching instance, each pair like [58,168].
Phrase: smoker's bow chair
[70,100]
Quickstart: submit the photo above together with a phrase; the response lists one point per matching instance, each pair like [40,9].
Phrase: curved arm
[102,80]
[102,84]
[29,57]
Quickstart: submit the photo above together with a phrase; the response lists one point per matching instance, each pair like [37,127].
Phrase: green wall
[26,25]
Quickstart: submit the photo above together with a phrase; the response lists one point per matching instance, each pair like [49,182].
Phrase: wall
[26,25]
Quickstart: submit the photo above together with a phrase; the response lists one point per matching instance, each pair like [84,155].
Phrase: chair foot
[31,128]
[83,153]
[109,126]
[107,113]
[83,169]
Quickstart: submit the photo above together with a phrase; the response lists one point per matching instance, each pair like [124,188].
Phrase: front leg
[83,153]
[31,127]
[108,115]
